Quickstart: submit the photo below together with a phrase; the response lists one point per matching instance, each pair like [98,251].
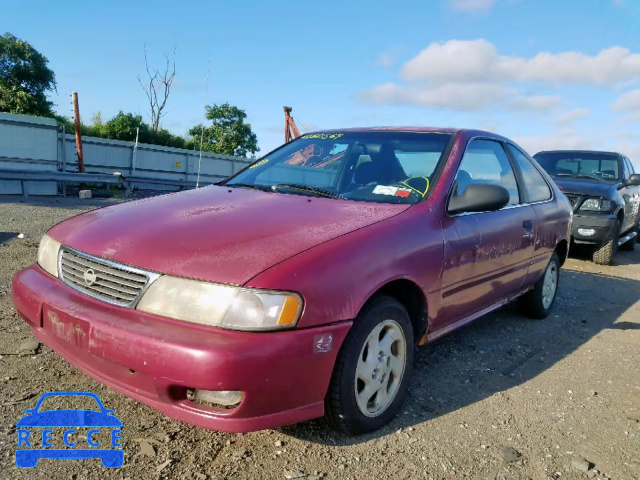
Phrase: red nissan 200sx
[301,286]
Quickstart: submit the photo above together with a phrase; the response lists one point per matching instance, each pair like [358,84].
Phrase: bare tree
[159,87]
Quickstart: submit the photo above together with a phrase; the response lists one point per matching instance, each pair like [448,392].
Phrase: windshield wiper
[264,188]
[579,175]
[306,188]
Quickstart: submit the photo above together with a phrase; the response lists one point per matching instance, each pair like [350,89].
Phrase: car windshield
[66,402]
[594,165]
[385,167]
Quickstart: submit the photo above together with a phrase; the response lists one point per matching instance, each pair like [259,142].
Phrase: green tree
[25,78]
[123,127]
[228,134]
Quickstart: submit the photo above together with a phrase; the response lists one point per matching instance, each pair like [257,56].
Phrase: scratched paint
[69,331]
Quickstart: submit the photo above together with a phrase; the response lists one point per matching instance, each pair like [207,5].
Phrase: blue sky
[547,73]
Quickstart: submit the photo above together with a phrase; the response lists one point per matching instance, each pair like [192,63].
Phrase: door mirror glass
[634,179]
[479,197]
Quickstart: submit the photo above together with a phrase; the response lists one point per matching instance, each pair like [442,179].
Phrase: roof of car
[579,151]
[450,130]
[394,129]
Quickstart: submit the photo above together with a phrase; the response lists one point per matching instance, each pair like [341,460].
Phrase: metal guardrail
[93,178]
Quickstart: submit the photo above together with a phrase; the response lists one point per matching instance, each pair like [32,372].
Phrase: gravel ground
[503,398]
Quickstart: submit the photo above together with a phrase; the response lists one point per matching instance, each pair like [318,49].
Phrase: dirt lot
[557,391]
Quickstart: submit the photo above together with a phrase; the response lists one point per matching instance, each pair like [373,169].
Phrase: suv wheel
[604,255]
[372,371]
[538,301]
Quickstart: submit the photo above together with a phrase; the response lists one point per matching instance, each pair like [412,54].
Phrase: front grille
[108,281]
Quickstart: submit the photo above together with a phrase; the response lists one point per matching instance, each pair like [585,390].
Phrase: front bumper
[284,375]
[602,225]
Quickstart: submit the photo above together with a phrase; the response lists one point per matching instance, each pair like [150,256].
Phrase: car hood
[215,233]
[595,188]
[69,418]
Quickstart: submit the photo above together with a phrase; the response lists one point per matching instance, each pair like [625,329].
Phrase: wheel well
[412,298]
[562,249]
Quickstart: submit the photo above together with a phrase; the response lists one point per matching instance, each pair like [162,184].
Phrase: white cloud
[472,5]
[479,60]
[536,102]
[472,74]
[456,96]
[628,101]
[563,140]
[572,116]
[389,58]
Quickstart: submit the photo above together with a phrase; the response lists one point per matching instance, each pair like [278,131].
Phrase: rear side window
[534,182]
[485,161]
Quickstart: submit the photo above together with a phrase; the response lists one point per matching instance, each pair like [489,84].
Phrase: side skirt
[429,337]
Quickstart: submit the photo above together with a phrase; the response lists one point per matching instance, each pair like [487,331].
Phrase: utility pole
[76,116]
[290,129]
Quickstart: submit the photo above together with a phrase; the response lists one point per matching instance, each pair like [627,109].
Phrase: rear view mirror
[479,197]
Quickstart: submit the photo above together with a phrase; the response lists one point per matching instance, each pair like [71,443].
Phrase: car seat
[463,180]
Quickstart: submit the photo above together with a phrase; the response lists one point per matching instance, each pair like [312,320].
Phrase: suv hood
[580,186]
[218,234]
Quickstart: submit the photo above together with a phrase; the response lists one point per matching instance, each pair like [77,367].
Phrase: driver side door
[486,253]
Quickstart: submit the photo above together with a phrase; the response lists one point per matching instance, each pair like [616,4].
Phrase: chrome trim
[150,276]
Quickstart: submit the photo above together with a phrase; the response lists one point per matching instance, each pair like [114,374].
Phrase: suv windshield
[388,167]
[598,166]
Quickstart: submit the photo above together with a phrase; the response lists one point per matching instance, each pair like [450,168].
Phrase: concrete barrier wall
[33,143]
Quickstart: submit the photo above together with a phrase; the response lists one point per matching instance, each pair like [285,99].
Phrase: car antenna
[206,91]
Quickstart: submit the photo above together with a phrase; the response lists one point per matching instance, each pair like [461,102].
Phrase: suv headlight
[48,255]
[596,205]
[221,305]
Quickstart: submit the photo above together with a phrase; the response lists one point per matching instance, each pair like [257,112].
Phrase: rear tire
[373,369]
[538,302]
[604,255]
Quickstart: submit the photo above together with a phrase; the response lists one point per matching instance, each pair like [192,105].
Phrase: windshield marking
[323,136]
[260,163]
[415,189]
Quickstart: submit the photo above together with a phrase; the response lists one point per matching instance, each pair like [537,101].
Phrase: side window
[625,169]
[629,166]
[534,182]
[485,161]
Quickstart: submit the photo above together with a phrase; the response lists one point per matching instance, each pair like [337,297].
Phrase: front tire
[538,302]
[373,369]
[604,255]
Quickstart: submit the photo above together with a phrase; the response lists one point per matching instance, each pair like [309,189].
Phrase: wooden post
[76,115]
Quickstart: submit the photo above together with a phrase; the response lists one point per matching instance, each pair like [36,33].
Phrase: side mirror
[634,180]
[479,197]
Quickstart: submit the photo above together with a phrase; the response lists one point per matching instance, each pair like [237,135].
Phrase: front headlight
[48,255]
[596,205]
[221,305]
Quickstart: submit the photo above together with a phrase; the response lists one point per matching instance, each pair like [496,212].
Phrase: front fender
[338,277]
